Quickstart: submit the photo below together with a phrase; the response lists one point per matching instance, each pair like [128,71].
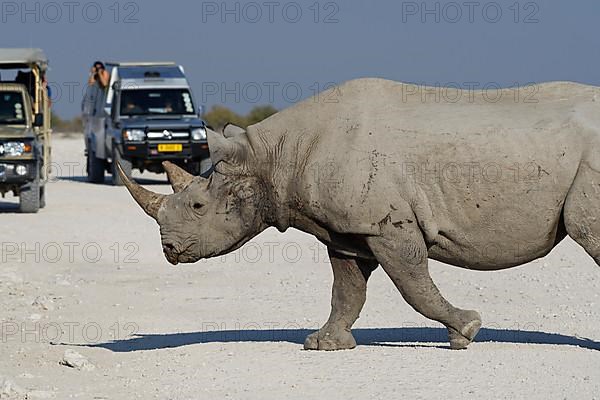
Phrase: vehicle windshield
[156,102]
[12,108]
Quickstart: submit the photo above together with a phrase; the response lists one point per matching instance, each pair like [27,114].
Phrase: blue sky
[246,53]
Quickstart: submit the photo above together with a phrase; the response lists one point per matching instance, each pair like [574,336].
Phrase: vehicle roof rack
[20,58]
[142,63]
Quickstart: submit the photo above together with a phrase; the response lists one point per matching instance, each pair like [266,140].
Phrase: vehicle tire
[29,197]
[199,168]
[43,196]
[95,168]
[125,164]
[206,167]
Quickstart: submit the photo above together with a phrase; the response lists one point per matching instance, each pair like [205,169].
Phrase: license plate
[171,147]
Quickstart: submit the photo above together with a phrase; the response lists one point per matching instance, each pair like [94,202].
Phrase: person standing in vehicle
[99,74]
[94,96]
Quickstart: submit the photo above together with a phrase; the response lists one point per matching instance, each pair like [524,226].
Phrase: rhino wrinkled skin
[384,174]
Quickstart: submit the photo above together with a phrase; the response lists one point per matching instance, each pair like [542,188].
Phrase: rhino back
[492,174]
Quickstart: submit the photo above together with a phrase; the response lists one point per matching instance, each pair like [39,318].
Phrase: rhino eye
[197,206]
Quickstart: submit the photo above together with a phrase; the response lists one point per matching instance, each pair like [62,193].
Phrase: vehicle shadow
[9,208]
[395,337]
[80,179]
[107,181]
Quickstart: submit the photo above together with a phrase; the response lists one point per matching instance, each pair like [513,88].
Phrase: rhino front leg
[403,255]
[349,292]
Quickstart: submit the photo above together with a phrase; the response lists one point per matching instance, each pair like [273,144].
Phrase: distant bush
[218,116]
[259,113]
[60,125]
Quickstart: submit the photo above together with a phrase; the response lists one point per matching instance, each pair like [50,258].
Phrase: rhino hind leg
[582,211]
[350,277]
[402,253]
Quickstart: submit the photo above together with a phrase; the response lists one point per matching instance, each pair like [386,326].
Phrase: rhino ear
[231,130]
[228,155]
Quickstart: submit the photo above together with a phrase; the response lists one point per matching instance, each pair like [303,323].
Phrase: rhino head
[207,217]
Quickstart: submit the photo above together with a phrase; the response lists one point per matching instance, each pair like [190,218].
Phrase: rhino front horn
[178,177]
[149,201]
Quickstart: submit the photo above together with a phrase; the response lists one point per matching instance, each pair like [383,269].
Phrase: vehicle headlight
[21,170]
[199,134]
[14,149]
[135,135]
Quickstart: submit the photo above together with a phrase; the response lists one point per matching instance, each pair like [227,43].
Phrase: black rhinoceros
[386,177]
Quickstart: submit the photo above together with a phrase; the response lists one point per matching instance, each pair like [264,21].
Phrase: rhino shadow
[400,337]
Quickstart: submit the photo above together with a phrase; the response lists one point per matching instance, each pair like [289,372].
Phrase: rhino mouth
[178,256]
[172,258]
[175,256]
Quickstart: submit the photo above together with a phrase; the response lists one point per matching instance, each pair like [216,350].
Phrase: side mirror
[112,115]
[38,120]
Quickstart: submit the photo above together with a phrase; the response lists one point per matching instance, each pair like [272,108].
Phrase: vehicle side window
[115,105]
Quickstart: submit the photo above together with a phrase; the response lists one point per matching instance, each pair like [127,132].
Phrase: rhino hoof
[460,340]
[328,339]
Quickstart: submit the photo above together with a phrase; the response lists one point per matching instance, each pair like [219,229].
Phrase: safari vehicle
[24,127]
[146,116]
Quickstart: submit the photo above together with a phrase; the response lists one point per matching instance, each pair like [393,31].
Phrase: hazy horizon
[242,54]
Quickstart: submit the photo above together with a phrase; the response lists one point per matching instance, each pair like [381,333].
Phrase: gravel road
[92,310]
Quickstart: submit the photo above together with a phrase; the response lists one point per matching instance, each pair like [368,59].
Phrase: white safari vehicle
[147,115]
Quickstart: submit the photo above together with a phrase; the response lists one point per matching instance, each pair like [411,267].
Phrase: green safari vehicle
[24,127]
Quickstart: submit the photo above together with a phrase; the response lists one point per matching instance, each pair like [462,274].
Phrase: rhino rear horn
[178,177]
[149,201]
